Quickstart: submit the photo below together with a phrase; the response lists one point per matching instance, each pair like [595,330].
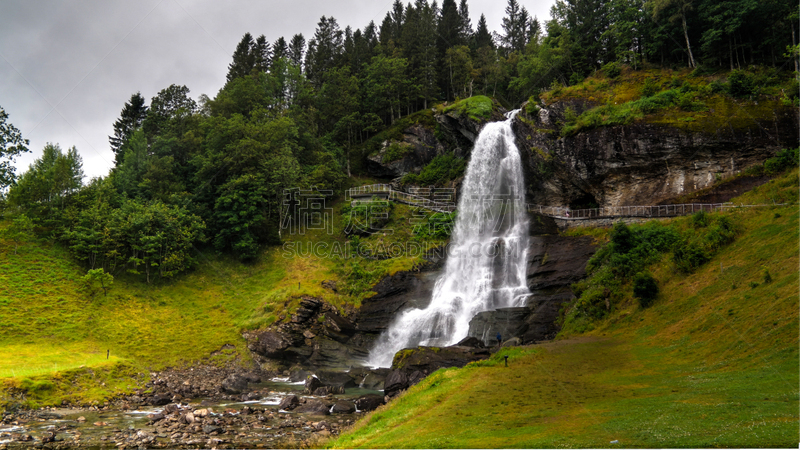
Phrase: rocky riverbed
[277,413]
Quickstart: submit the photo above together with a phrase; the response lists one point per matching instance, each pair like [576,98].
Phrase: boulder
[369,402]
[328,390]
[312,384]
[338,379]
[369,378]
[471,341]
[289,403]
[314,407]
[429,359]
[396,381]
[234,384]
[270,344]
[344,407]
[160,399]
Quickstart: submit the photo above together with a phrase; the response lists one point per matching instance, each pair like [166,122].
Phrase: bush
[612,69]
[645,288]
[785,159]
[741,84]
[649,88]
[440,170]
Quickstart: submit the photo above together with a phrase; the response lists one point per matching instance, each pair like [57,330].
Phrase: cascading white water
[486,262]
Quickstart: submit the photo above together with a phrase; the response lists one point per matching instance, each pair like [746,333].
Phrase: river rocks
[314,407]
[312,384]
[328,390]
[160,399]
[370,402]
[236,383]
[289,403]
[343,407]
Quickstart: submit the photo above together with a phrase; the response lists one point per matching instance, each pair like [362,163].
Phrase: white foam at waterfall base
[485,267]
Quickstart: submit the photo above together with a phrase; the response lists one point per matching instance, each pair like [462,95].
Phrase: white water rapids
[486,260]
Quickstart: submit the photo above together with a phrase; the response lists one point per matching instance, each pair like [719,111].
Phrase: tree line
[213,171]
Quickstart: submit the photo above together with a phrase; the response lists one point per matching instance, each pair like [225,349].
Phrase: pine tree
[130,118]
[465,30]
[515,26]
[483,38]
[262,54]
[297,48]
[324,50]
[243,59]
[534,30]
[279,49]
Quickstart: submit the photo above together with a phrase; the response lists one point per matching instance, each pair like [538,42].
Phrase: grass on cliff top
[682,99]
[478,108]
[713,363]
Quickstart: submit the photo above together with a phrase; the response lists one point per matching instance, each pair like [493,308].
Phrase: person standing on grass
[499,339]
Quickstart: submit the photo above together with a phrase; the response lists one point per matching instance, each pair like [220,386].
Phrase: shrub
[612,69]
[645,288]
[785,159]
[741,84]
[440,170]
[649,88]
[700,219]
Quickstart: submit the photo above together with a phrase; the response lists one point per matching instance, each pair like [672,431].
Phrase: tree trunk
[730,51]
[686,36]
[794,57]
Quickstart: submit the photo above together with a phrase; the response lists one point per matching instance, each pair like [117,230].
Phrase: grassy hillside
[712,363]
[53,332]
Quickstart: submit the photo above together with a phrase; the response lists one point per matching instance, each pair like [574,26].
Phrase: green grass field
[50,329]
[713,363]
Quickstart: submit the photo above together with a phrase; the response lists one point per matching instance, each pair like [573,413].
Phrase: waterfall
[487,256]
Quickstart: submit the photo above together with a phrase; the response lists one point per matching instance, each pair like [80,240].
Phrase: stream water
[486,261]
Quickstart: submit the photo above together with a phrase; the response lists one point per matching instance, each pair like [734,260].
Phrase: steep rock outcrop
[641,163]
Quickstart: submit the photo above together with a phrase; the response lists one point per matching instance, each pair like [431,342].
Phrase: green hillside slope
[712,363]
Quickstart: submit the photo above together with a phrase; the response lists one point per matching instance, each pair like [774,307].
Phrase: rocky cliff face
[641,163]
[637,164]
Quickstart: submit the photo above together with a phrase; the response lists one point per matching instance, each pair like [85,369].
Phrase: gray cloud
[67,68]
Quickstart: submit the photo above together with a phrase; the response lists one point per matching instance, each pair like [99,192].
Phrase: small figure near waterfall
[499,339]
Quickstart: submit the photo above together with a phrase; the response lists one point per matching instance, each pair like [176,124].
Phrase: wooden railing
[386,191]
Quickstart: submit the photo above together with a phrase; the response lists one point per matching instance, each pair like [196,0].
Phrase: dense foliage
[301,114]
[621,265]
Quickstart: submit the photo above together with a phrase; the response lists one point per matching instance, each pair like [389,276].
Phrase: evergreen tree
[483,38]
[130,118]
[243,58]
[297,47]
[465,30]
[280,49]
[324,50]
[262,54]
[534,30]
[515,27]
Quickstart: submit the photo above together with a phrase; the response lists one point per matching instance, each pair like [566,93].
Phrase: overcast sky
[68,67]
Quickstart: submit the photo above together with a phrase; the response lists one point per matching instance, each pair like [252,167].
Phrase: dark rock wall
[640,163]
